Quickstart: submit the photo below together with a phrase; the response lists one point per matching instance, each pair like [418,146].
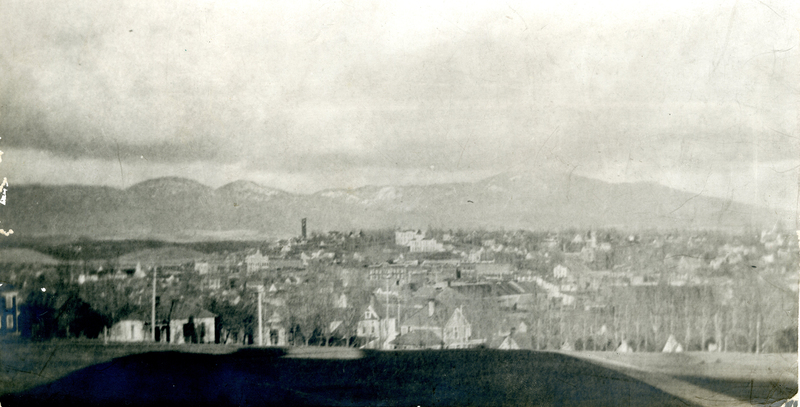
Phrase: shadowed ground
[268,377]
[709,378]
[757,391]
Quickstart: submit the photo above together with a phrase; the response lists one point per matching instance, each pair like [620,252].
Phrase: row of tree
[741,317]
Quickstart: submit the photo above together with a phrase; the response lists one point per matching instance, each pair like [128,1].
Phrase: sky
[699,96]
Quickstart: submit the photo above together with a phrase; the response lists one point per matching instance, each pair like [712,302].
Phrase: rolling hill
[177,208]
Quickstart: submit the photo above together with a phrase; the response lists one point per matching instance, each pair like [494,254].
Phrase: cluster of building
[416,242]
[425,290]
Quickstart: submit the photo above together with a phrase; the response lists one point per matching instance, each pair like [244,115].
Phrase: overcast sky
[701,97]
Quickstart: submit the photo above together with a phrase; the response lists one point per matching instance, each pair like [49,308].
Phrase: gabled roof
[420,317]
[523,340]
[457,318]
[373,311]
[508,343]
[530,287]
[441,316]
[422,338]
[482,290]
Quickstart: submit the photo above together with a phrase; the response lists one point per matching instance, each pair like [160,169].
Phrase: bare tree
[655,323]
[717,330]
[703,326]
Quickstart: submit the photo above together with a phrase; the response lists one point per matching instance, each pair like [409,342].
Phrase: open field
[68,371]
[734,366]
[712,378]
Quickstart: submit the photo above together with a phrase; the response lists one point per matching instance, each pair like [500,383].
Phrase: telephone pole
[386,322]
[260,323]
[153,314]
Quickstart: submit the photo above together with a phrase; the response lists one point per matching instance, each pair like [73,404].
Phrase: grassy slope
[747,377]
[741,376]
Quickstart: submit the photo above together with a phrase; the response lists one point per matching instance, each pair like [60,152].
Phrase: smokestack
[303,228]
[431,308]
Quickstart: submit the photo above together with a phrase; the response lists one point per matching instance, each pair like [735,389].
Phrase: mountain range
[182,209]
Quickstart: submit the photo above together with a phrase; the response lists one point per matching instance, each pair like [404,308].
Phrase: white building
[128,330]
[378,330]
[425,246]
[560,271]
[402,238]
[256,262]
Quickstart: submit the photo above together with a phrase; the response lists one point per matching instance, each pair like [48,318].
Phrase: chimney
[431,308]
[303,228]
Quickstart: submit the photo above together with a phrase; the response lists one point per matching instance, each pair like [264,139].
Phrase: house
[83,278]
[560,271]
[175,323]
[644,280]
[287,264]
[128,330]
[458,332]
[202,267]
[421,339]
[376,329]
[508,294]
[551,242]
[213,283]
[425,246]
[304,258]
[139,272]
[516,338]
[256,262]
[428,318]
[672,345]
[475,256]
[439,324]
[10,305]
[256,284]
[402,238]
[508,344]
[624,347]
[488,269]
[275,334]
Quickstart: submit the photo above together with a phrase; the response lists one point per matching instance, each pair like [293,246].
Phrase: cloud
[356,87]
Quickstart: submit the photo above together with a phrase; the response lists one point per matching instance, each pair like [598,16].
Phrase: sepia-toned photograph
[399,203]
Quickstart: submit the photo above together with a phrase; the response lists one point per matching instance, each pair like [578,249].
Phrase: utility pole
[386,319]
[758,333]
[260,323]
[153,315]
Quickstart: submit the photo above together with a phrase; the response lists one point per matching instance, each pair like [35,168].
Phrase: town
[599,290]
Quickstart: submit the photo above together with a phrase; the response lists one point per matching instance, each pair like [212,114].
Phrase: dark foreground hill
[266,378]
[176,208]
